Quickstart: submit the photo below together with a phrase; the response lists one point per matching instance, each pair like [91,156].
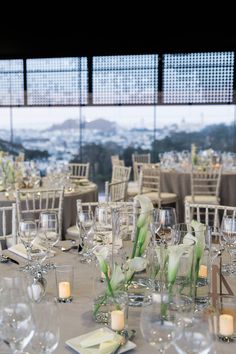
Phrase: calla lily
[146,207]
[189,239]
[142,225]
[136,264]
[175,252]
[102,253]
[145,243]
[199,229]
[117,277]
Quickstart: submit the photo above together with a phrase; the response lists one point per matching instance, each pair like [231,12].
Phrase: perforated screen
[198,78]
[57,81]
[11,83]
[126,79]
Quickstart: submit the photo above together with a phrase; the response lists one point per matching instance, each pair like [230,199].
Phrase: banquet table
[75,318]
[180,183]
[87,193]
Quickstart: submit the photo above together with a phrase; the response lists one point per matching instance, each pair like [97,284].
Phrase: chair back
[115,160]
[144,158]
[208,214]
[150,179]
[8,226]
[31,202]
[120,173]
[116,191]
[138,160]
[79,170]
[205,181]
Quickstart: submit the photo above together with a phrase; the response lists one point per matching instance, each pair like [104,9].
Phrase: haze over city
[125,116]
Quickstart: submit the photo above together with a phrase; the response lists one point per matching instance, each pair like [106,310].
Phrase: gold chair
[205,184]
[208,214]
[150,182]
[79,170]
[8,234]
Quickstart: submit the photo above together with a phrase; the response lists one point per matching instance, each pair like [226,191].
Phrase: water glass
[159,324]
[47,330]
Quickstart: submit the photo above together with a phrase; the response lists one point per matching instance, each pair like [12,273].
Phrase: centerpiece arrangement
[122,274]
[177,265]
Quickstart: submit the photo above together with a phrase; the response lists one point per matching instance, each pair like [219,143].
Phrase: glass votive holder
[64,282]
[118,312]
[226,324]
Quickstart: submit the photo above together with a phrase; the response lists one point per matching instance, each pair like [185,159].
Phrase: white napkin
[20,250]
[106,342]
[100,341]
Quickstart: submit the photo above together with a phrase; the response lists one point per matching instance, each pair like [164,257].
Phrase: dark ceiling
[26,45]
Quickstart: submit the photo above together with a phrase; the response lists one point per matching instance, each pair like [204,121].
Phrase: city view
[95,133]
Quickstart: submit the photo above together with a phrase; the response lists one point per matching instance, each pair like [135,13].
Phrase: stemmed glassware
[163,220]
[47,331]
[48,231]
[27,231]
[159,324]
[16,320]
[195,339]
[85,224]
[228,236]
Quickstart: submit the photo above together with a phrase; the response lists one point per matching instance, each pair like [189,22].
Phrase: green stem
[135,242]
[97,307]
[109,285]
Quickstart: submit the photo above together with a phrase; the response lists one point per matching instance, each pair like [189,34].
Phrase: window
[198,78]
[127,79]
[57,81]
[11,83]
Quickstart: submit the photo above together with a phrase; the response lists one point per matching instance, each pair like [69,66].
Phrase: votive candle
[226,325]
[64,290]
[117,320]
[202,271]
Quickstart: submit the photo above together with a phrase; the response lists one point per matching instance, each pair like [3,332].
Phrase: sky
[125,116]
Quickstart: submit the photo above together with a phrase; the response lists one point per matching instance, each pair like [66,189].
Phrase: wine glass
[195,339]
[159,325]
[47,331]
[167,218]
[217,246]
[155,225]
[27,231]
[16,321]
[48,231]
[85,224]
[228,234]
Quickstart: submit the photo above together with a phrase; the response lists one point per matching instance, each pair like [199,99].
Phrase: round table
[76,318]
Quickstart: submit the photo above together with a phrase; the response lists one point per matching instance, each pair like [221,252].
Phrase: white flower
[146,207]
[199,229]
[175,252]
[117,277]
[101,253]
[136,264]
[142,236]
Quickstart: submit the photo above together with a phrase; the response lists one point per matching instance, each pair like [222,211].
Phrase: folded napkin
[20,250]
[100,341]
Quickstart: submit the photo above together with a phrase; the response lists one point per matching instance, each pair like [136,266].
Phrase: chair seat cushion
[72,233]
[165,198]
[133,189]
[202,199]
